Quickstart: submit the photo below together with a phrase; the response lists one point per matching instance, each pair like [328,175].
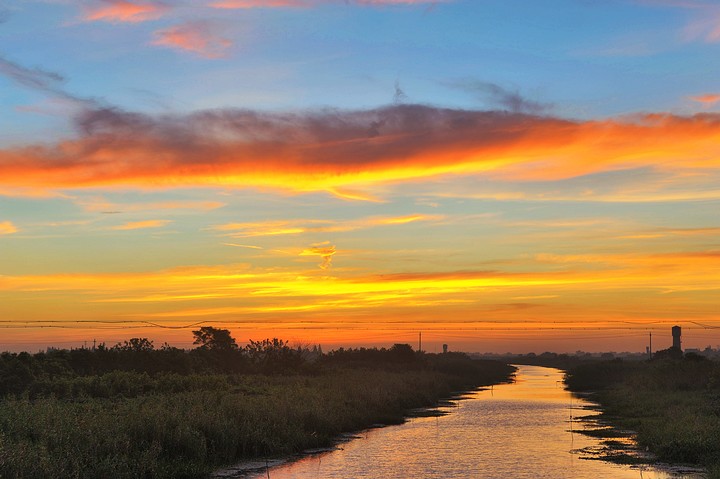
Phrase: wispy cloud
[46,82]
[705,22]
[400,2]
[7,228]
[707,99]
[669,232]
[199,38]
[325,250]
[137,225]
[705,27]
[299,226]
[101,205]
[243,4]
[124,11]
[33,78]
[249,246]
[496,96]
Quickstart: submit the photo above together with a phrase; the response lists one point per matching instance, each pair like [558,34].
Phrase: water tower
[676,331]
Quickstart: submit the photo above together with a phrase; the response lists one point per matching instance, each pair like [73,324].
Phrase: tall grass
[127,424]
[673,404]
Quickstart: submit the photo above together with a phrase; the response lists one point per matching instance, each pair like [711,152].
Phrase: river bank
[128,424]
[440,407]
[671,405]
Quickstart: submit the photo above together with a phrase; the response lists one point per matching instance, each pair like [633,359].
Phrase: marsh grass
[126,424]
[672,404]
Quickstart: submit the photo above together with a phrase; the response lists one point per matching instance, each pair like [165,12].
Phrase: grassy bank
[672,404]
[135,423]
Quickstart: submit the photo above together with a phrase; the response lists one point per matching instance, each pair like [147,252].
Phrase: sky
[498,175]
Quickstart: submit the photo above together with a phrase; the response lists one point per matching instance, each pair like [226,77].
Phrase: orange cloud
[7,228]
[137,225]
[249,246]
[399,2]
[325,250]
[707,99]
[194,37]
[293,227]
[124,11]
[97,205]
[241,4]
[331,150]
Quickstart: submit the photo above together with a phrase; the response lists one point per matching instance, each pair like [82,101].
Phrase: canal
[518,430]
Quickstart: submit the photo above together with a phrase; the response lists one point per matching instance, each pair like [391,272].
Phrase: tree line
[215,352]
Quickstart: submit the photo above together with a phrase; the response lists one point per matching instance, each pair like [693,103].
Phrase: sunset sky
[500,175]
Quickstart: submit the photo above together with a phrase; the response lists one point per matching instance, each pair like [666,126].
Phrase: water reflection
[520,430]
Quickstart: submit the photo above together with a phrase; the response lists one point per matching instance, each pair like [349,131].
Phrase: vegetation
[673,403]
[134,411]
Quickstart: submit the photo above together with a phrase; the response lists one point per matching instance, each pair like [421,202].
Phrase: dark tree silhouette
[135,345]
[208,337]
[274,355]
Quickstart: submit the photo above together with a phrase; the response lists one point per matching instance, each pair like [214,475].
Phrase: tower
[676,331]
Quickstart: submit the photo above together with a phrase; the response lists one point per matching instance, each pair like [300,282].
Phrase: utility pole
[420,341]
[650,344]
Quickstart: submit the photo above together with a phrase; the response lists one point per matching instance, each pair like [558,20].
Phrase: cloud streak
[195,37]
[497,96]
[124,11]
[300,226]
[33,78]
[245,4]
[707,99]
[100,205]
[138,225]
[706,22]
[7,228]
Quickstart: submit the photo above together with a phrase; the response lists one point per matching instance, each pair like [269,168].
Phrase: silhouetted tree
[208,337]
[136,345]
[273,355]
[402,352]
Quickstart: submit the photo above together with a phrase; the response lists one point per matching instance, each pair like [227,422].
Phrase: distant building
[676,332]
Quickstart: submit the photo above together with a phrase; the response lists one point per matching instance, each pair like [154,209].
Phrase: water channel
[518,430]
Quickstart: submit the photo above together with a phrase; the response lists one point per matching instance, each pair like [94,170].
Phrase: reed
[126,424]
[672,404]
